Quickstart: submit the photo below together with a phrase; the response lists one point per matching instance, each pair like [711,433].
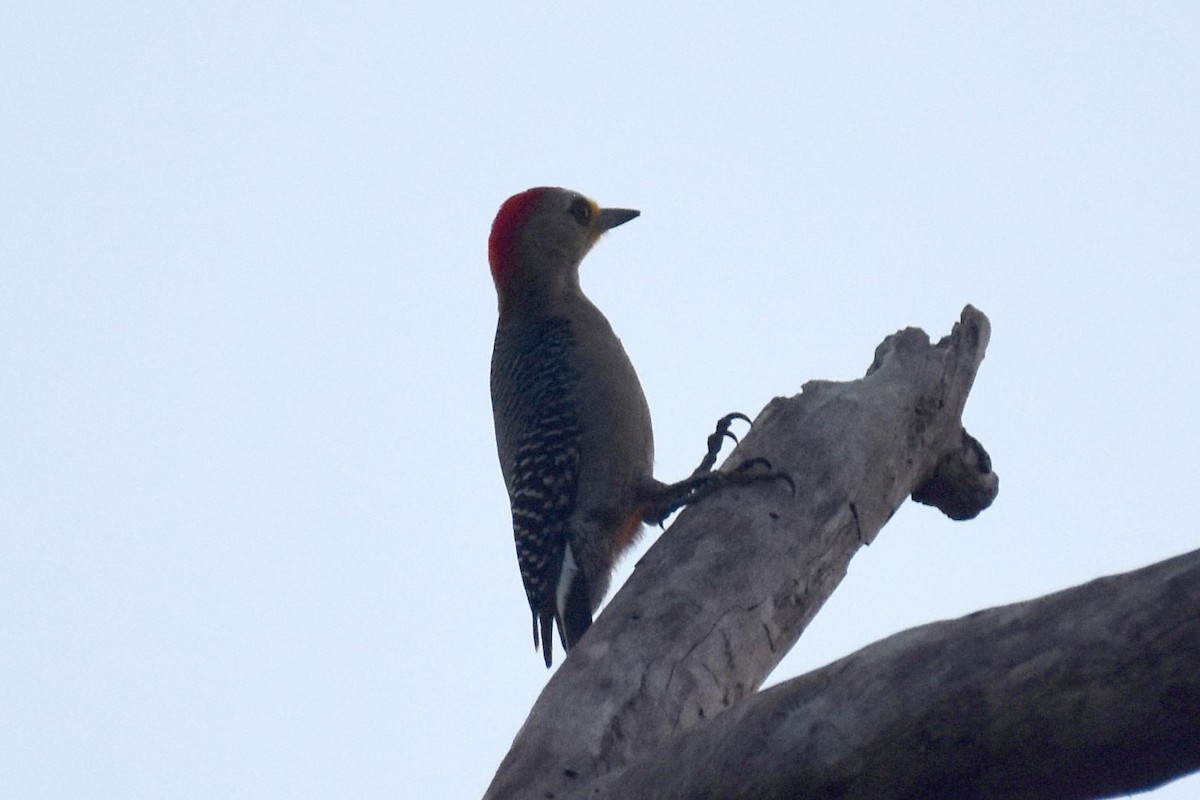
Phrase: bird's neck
[552,294]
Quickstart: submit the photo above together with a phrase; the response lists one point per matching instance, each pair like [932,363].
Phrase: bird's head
[540,236]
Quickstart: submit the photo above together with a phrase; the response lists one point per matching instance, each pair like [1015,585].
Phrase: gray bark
[1086,693]
[725,593]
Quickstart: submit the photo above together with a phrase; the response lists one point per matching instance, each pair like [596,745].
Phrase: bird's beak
[612,217]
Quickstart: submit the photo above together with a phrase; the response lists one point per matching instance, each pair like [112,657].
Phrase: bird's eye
[581,210]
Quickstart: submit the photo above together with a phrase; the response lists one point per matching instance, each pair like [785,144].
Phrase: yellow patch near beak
[594,229]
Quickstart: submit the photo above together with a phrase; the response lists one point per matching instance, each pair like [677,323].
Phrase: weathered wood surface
[1087,693]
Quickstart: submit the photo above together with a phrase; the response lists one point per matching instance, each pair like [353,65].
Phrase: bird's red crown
[509,220]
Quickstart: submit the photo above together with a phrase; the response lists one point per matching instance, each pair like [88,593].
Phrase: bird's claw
[753,463]
[716,438]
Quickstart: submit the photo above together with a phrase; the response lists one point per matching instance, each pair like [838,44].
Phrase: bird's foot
[704,481]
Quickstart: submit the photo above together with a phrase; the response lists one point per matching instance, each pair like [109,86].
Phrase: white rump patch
[565,576]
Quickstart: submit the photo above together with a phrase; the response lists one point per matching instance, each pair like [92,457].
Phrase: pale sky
[254,541]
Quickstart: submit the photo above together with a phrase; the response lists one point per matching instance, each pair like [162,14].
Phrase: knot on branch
[962,483]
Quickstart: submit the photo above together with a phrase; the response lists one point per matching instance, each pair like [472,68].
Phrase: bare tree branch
[1086,693]
[727,591]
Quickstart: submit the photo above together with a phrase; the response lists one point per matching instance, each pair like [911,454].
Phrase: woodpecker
[573,428]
